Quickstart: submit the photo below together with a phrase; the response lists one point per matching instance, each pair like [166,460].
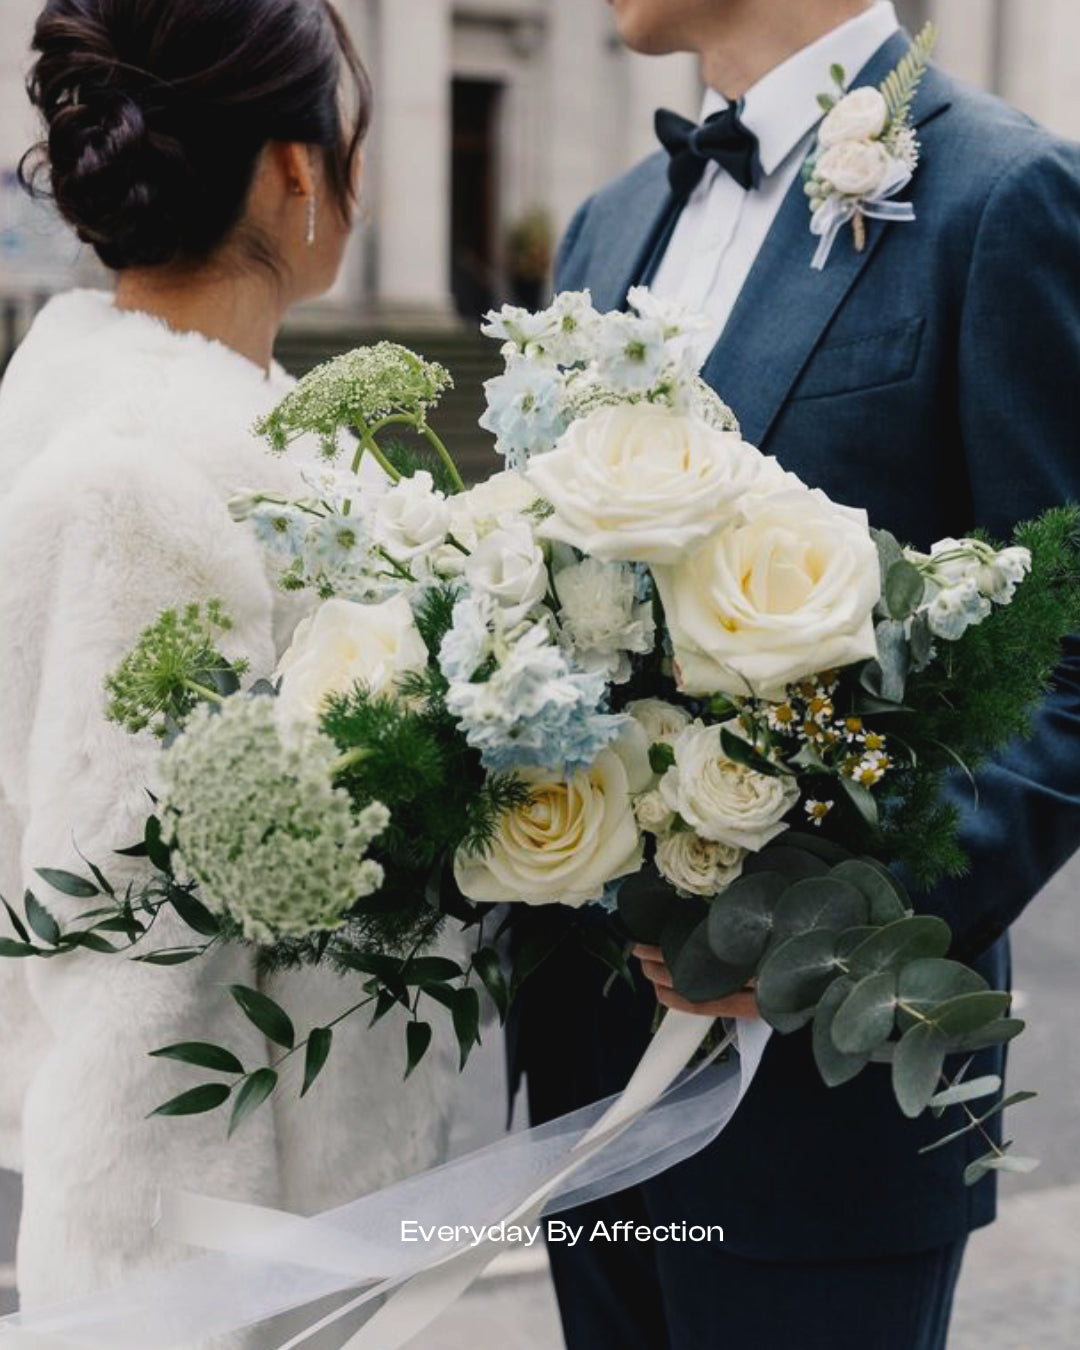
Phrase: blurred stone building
[496,117]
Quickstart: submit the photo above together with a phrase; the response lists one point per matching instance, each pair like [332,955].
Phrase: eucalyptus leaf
[925,983]
[251,1095]
[834,1066]
[994,1033]
[796,864]
[970,1091]
[819,903]
[959,1017]
[196,1101]
[917,1064]
[417,1038]
[697,973]
[909,939]
[271,1019]
[740,922]
[920,642]
[818,844]
[867,1016]
[796,974]
[319,1045]
[645,902]
[882,893]
[850,938]
[680,924]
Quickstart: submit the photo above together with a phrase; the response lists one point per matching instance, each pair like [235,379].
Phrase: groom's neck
[753,37]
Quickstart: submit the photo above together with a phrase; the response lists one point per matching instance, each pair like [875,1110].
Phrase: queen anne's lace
[254,817]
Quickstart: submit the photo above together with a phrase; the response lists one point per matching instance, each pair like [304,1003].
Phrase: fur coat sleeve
[120,514]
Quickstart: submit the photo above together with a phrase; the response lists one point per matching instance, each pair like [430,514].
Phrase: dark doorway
[474,260]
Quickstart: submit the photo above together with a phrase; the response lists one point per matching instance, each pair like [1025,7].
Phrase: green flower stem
[210,695]
[349,760]
[369,445]
[434,440]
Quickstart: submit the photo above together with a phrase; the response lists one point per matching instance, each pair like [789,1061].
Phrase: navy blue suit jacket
[933,380]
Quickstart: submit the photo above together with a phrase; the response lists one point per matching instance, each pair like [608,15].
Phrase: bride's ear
[293,164]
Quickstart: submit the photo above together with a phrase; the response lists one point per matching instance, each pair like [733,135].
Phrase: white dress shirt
[723,226]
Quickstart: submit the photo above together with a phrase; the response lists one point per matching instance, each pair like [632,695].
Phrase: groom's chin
[646,26]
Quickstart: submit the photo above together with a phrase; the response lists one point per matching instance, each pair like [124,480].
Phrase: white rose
[509,566]
[861,115]
[788,593]
[639,483]
[342,643]
[411,518]
[572,836]
[662,721]
[724,801]
[855,168]
[697,866]
[653,813]
[486,504]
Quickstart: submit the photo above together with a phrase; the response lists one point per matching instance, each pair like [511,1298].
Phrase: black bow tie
[721,137]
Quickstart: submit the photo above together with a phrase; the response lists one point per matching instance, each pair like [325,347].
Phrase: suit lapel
[639,225]
[785,307]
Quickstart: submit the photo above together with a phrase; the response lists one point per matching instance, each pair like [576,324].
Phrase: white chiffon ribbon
[835,212]
[269,1263]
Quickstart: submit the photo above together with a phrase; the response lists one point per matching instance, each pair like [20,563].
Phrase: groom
[929,377]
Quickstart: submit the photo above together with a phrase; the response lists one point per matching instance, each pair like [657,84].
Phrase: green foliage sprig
[901,85]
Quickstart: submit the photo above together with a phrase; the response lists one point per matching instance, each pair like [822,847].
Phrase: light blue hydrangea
[532,710]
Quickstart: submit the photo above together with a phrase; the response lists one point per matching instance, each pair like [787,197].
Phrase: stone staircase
[469,358]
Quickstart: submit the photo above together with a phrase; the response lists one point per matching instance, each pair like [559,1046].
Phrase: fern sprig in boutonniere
[866,151]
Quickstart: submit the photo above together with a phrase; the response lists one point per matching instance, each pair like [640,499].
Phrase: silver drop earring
[311,214]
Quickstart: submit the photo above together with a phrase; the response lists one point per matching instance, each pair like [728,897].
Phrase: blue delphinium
[517,699]
[526,410]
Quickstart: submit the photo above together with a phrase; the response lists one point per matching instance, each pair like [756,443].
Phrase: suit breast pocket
[861,363]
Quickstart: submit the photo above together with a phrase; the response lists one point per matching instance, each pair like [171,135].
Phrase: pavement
[1020,1288]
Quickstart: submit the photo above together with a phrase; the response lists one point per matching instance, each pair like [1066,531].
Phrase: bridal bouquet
[643,668]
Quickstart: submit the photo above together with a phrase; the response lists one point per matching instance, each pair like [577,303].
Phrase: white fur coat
[120,442]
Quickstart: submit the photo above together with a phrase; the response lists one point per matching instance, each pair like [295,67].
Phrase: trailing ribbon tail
[268,1263]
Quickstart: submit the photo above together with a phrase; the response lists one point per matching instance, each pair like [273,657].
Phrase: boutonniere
[866,151]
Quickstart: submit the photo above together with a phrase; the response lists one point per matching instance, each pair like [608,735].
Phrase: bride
[204,151]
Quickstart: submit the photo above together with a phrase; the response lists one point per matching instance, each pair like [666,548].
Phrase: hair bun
[114,179]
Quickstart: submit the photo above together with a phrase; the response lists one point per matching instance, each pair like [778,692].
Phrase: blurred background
[496,118]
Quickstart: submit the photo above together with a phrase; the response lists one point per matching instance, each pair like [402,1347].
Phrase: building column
[409,166]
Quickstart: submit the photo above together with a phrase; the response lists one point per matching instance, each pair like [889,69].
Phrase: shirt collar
[782,108]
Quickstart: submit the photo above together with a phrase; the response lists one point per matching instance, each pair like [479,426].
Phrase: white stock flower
[860,115]
[573,835]
[662,721]
[411,518]
[956,609]
[697,866]
[509,566]
[855,168]
[638,483]
[720,799]
[789,592]
[343,643]
[601,617]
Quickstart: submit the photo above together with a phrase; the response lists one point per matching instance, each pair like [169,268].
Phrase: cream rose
[640,483]
[720,799]
[486,505]
[786,594]
[697,866]
[661,721]
[861,115]
[509,566]
[572,836]
[855,168]
[343,643]
[653,813]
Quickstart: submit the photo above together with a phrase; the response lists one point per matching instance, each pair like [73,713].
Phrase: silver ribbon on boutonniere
[865,152]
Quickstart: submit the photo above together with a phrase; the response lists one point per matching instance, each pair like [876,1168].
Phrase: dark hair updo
[157,112]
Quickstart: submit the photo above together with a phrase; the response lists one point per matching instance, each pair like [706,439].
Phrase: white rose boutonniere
[865,152]
[788,593]
[572,836]
[343,643]
[640,483]
[721,800]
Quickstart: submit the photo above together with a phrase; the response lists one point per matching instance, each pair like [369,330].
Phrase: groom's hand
[743,1004]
